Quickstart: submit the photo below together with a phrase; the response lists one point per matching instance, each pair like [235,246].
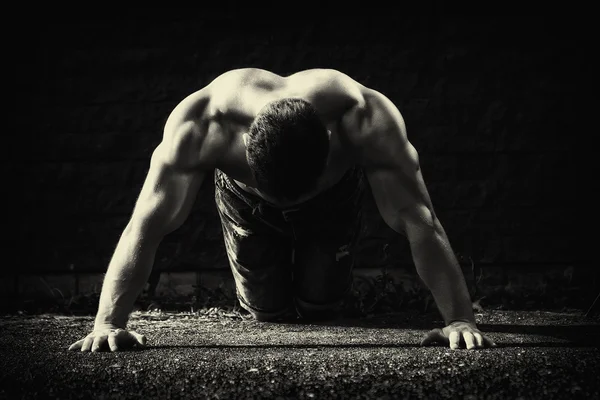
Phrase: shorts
[291,260]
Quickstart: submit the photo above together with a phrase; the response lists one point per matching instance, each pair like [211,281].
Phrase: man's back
[224,110]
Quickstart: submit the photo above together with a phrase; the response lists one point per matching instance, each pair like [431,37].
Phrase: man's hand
[116,339]
[472,338]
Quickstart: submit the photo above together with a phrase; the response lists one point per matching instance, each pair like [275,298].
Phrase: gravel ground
[540,355]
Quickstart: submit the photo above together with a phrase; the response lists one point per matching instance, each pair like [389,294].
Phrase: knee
[312,312]
[281,316]
[261,317]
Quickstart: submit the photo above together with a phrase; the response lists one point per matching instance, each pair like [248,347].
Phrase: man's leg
[322,278]
[262,272]
[259,255]
[324,257]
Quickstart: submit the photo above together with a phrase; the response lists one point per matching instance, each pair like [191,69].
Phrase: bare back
[227,106]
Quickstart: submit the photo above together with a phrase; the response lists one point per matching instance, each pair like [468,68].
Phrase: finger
[469,340]
[99,341]
[489,342]
[76,345]
[434,336]
[87,343]
[112,342]
[124,338]
[454,339]
[141,339]
[478,340]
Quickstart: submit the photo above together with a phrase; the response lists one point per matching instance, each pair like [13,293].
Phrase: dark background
[489,102]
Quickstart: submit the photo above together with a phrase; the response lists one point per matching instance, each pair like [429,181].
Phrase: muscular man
[289,157]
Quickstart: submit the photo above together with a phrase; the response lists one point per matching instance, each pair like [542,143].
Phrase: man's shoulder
[192,132]
[208,104]
[374,121]
[327,81]
[330,91]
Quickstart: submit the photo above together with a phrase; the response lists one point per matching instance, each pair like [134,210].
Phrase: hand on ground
[457,335]
[109,339]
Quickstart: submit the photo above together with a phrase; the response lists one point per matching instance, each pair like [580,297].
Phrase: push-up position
[289,157]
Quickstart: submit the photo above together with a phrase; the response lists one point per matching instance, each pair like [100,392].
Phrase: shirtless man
[289,157]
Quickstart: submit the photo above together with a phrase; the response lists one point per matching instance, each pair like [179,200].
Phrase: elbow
[143,232]
[421,222]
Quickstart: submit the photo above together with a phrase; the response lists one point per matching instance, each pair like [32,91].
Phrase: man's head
[287,147]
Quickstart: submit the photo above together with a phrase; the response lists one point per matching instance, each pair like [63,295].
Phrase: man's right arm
[164,203]
[177,168]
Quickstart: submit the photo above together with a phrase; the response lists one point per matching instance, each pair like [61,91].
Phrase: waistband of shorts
[353,173]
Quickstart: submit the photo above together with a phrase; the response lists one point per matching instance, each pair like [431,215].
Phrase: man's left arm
[392,167]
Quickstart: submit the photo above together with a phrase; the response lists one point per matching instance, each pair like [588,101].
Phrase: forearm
[127,274]
[438,267]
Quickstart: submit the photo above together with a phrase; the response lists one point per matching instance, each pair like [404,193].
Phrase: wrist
[105,326]
[104,322]
[111,317]
[461,320]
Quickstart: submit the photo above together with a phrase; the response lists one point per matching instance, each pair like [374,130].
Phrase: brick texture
[486,107]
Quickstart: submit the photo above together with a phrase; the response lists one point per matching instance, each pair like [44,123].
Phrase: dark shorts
[299,258]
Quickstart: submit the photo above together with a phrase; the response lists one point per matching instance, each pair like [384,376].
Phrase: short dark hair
[287,148]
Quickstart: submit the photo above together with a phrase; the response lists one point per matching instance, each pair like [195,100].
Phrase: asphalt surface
[540,355]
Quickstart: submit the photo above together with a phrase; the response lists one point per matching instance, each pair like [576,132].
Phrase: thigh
[259,257]
[321,276]
[323,263]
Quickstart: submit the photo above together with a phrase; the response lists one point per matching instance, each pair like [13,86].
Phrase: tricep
[166,198]
[392,166]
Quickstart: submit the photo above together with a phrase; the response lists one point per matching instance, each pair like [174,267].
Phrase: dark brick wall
[486,102]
